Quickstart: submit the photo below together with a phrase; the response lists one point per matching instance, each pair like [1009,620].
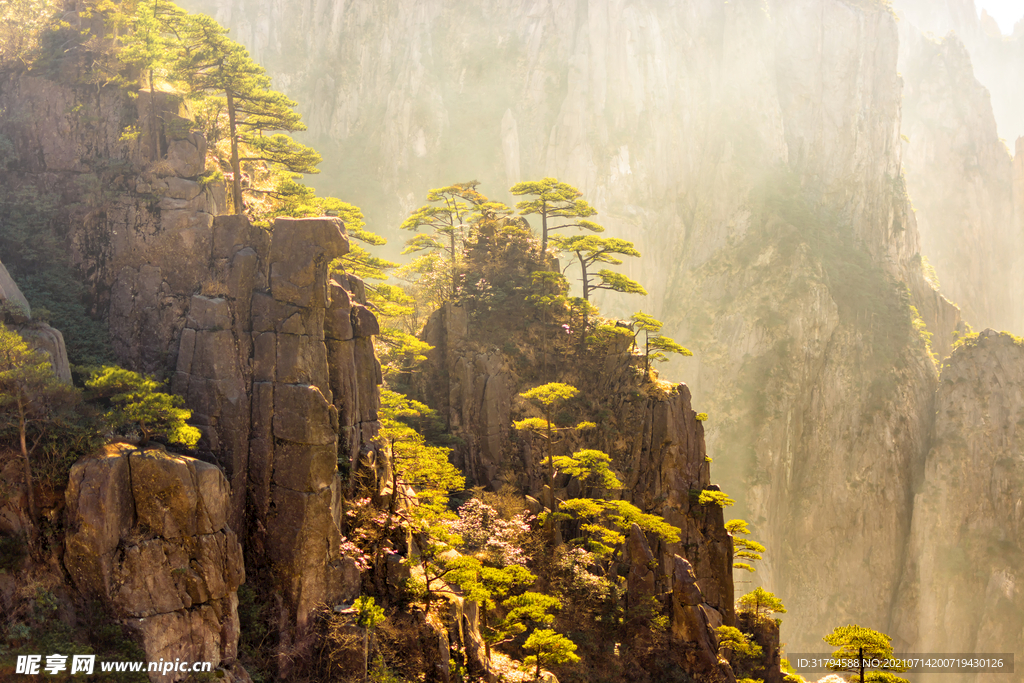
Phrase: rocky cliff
[961,178]
[148,536]
[998,59]
[274,358]
[752,151]
[960,590]
[649,429]
[16,312]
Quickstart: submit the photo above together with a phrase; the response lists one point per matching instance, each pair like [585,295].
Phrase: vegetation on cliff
[593,581]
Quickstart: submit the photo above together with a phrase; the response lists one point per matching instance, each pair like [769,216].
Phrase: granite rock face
[960,586]
[963,182]
[235,316]
[254,363]
[148,536]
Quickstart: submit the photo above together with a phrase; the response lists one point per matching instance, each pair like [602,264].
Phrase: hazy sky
[1006,12]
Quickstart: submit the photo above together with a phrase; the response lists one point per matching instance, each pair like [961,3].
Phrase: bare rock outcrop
[295,485]
[258,361]
[692,625]
[148,535]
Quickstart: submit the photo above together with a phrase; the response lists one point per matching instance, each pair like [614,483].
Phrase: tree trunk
[452,238]
[586,283]
[426,580]
[380,568]
[157,152]
[551,464]
[483,623]
[544,232]
[647,353]
[30,495]
[544,342]
[551,479]
[236,166]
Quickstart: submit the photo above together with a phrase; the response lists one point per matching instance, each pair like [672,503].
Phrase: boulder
[148,536]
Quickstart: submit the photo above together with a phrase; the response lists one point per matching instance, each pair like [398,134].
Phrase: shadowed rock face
[39,336]
[254,365]
[961,583]
[274,359]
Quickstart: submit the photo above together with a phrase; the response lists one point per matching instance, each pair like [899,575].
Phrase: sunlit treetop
[550,393]
[555,199]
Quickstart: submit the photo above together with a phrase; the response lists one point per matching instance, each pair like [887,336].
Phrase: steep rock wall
[960,589]
[961,178]
[234,316]
[998,59]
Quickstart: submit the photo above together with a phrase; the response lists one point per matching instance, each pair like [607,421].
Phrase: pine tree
[210,63]
[137,402]
[551,297]
[30,395]
[429,474]
[863,645]
[448,217]
[760,603]
[549,647]
[591,467]
[555,199]
[605,523]
[490,585]
[547,396]
[590,250]
[655,344]
[147,47]
[731,639]
[743,548]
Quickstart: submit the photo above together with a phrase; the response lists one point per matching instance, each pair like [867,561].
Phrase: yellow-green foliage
[551,393]
[591,467]
[760,603]
[718,498]
[137,402]
[738,643]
